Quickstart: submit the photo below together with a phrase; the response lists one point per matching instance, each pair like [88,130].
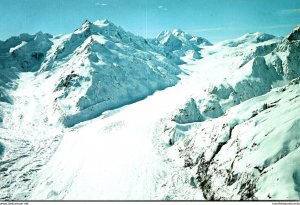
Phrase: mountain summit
[180,43]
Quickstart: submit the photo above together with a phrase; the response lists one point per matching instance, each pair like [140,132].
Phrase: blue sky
[214,19]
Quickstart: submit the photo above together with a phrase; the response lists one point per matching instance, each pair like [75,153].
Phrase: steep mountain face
[101,67]
[285,58]
[201,121]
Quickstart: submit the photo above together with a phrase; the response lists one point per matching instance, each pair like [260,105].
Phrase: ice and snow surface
[118,149]
[104,114]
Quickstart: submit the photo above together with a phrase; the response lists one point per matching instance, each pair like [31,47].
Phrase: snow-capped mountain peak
[103,23]
[180,43]
[177,32]
[99,27]
[181,36]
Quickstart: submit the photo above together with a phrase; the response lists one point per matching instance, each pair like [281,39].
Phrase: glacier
[103,114]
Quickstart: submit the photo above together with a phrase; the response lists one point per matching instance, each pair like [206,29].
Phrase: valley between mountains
[103,114]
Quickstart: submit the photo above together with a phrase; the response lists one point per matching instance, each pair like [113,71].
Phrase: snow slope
[103,114]
[241,155]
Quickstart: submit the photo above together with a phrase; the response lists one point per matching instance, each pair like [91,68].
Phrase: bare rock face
[295,35]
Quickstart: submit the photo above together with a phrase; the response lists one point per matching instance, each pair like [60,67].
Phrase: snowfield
[102,114]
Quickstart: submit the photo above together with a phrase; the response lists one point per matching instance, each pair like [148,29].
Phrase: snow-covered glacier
[104,114]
